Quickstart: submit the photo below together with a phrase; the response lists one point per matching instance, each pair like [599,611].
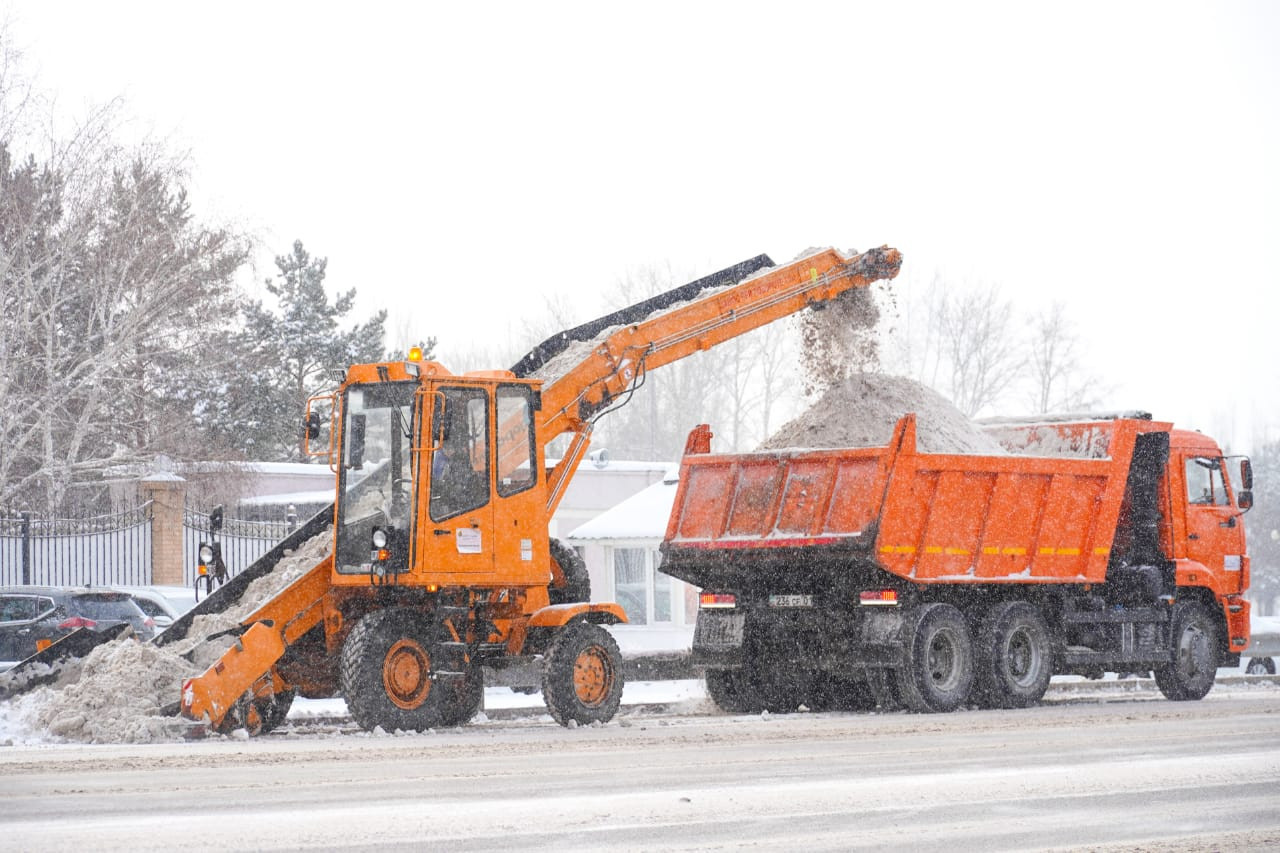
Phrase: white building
[620,547]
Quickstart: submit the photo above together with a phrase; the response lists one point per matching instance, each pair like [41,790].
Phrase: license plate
[719,628]
[791,601]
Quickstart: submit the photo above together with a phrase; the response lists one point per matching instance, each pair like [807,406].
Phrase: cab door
[520,506]
[1212,535]
[457,525]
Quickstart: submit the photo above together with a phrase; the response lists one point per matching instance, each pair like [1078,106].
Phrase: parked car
[153,603]
[33,616]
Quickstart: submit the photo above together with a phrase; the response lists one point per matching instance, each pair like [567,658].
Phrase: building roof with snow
[644,515]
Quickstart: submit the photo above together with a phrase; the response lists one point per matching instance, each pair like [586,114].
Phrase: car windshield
[101,607]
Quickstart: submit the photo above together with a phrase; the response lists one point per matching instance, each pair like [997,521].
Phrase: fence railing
[242,541]
[100,550]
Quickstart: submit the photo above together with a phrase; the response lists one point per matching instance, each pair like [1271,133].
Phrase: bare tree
[1058,382]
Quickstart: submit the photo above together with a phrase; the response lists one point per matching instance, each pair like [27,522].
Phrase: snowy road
[1111,770]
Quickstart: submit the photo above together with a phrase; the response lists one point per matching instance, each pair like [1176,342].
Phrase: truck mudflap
[44,666]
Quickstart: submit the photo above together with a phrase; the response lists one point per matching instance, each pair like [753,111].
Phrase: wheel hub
[406,674]
[592,676]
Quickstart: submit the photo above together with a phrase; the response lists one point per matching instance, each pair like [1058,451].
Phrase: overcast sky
[459,162]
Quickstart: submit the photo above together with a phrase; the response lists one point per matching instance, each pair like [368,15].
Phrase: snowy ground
[1096,767]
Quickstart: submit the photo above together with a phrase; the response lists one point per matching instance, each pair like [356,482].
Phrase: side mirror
[311,426]
[1246,475]
[1244,500]
[355,444]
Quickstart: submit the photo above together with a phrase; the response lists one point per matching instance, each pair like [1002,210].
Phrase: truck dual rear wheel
[386,672]
[582,675]
[732,691]
[937,668]
[1195,654]
[1013,656]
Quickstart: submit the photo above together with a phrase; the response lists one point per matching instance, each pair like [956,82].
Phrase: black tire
[582,675]
[1013,657]
[577,582]
[937,668]
[1194,637]
[275,710]
[1260,666]
[464,697]
[386,672]
[732,691]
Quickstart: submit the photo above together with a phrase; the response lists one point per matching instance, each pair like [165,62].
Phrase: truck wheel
[463,697]
[731,690]
[1260,666]
[386,672]
[582,675]
[1013,657]
[937,668]
[1195,654]
[577,582]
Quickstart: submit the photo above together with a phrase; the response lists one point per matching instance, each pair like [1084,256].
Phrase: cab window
[460,465]
[515,440]
[1205,485]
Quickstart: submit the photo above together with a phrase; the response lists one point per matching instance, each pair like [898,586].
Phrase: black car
[33,616]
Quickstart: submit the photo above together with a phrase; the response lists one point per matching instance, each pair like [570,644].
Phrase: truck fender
[559,615]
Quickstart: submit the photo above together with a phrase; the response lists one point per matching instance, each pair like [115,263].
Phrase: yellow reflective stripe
[897,549]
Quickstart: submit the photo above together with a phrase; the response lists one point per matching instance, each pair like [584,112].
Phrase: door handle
[1193,535]
[440,532]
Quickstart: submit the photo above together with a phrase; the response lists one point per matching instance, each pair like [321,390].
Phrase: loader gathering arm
[591,374]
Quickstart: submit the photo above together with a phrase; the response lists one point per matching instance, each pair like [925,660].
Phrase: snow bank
[116,693]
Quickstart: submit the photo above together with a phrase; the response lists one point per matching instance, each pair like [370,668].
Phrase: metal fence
[100,550]
[242,541]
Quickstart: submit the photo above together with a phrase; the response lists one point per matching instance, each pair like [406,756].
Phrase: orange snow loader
[887,577]
[441,563]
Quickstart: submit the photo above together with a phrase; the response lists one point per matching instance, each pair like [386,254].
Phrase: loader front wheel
[582,675]
[937,667]
[386,672]
[1195,654]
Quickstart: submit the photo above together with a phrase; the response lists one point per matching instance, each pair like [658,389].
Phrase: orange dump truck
[884,576]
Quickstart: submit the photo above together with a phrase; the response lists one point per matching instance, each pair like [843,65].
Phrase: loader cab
[426,467]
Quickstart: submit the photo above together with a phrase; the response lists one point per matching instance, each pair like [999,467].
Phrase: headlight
[206,553]
[379,537]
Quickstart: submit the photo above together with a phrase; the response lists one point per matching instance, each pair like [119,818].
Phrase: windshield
[376,480]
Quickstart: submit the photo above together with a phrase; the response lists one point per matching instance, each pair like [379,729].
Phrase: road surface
[1107,771]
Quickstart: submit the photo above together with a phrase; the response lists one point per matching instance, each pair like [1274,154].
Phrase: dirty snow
[115,695]
[861,411]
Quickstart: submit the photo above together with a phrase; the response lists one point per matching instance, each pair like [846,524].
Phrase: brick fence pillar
[167,493]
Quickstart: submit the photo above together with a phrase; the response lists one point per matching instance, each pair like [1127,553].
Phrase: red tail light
[78,622]
[717,599]
[878,596]
[149,622]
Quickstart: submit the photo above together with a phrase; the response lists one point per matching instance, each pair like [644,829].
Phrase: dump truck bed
[926,517]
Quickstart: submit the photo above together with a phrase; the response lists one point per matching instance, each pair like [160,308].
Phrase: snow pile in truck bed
[862,410]
[116,693]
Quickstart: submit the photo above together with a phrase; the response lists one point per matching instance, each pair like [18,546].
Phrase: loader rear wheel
[937,667]
[577,582]
[1013,657]
[1195,654]
[582,675]
[386,672]
[731,690]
